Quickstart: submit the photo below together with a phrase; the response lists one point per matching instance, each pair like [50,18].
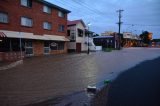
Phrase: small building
[105,41]
[108,39]
[78,36]
[131,40]
[31,28]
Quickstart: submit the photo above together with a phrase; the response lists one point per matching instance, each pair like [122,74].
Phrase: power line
[141,25]
[83,5]
[86,5]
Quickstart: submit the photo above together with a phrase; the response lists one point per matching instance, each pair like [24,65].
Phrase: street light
[89,24]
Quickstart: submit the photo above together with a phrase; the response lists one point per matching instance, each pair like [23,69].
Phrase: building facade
[76,35]
[108,39]
[131,40]
[32,28]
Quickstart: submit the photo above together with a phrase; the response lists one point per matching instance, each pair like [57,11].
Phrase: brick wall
[38,48]
[15,11]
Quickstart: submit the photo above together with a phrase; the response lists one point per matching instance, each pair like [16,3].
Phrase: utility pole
[119,25]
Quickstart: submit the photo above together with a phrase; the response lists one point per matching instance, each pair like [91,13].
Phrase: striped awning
[2,35]
[24,35]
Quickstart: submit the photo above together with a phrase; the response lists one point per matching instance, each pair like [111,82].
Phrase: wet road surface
[138,86]
[43,78]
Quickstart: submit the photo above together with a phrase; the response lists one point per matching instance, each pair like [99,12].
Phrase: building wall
[38,48]
[81,39]
[72,45]
[15,11]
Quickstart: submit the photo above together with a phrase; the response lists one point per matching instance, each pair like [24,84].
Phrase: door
[78,47]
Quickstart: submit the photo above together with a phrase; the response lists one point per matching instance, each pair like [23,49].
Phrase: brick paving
[43,78]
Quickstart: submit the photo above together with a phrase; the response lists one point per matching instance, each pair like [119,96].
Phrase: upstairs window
[3,17]
[80,33]
[61,14]
[26,22]
[27,3]
[47,25]
[61,28]
[47,9]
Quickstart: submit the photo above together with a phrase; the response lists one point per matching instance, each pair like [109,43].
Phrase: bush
[107,49]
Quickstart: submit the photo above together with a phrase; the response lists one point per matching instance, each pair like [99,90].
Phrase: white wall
[81,39]
[71,45]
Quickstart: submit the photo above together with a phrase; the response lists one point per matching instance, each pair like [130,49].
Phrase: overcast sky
[143,14]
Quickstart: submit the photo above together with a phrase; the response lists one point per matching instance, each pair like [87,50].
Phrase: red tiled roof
[75,22]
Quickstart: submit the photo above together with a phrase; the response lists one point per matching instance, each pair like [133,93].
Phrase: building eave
[54,6]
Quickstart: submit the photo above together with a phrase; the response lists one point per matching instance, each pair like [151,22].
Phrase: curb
[14,64]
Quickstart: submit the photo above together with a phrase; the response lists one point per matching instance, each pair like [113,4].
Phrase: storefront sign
[53,44]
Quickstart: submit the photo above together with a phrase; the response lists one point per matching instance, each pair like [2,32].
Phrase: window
[54,46]
[26,22]
[46,47]
[57,46]
[27,3]
[80,32]
[61,46]
[61,28]
[47,25]
[47,9]
[60,14]
[3,17]
[29,48]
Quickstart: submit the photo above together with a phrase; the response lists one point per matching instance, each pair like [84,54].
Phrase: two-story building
[31,28]
[76,35]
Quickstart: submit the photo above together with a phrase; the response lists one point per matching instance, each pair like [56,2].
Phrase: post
[88,41]
[10,45]
[88,37]
[20,43]
[119,25]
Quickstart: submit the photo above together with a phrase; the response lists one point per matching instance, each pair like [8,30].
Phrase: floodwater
[55,77]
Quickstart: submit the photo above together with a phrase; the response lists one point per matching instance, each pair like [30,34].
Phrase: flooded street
[43,78]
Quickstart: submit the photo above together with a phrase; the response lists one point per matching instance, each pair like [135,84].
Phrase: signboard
[53,44]
[127,35]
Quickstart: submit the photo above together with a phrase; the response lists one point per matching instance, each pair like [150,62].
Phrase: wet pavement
[138,86]
[49,77]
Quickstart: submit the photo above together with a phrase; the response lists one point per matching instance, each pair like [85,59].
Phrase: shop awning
[56,38]
[24,35]
[2,35]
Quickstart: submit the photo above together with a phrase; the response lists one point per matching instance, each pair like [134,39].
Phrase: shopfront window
[46,47]
[29,48]
[57,45]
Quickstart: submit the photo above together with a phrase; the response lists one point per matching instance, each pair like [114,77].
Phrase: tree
[145,37]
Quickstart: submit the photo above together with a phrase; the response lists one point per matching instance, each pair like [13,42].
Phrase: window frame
[4,13]
[61,14]
[26,22]
[80,32]
[61,28]
[29,3]
[48,27]
[48,9]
